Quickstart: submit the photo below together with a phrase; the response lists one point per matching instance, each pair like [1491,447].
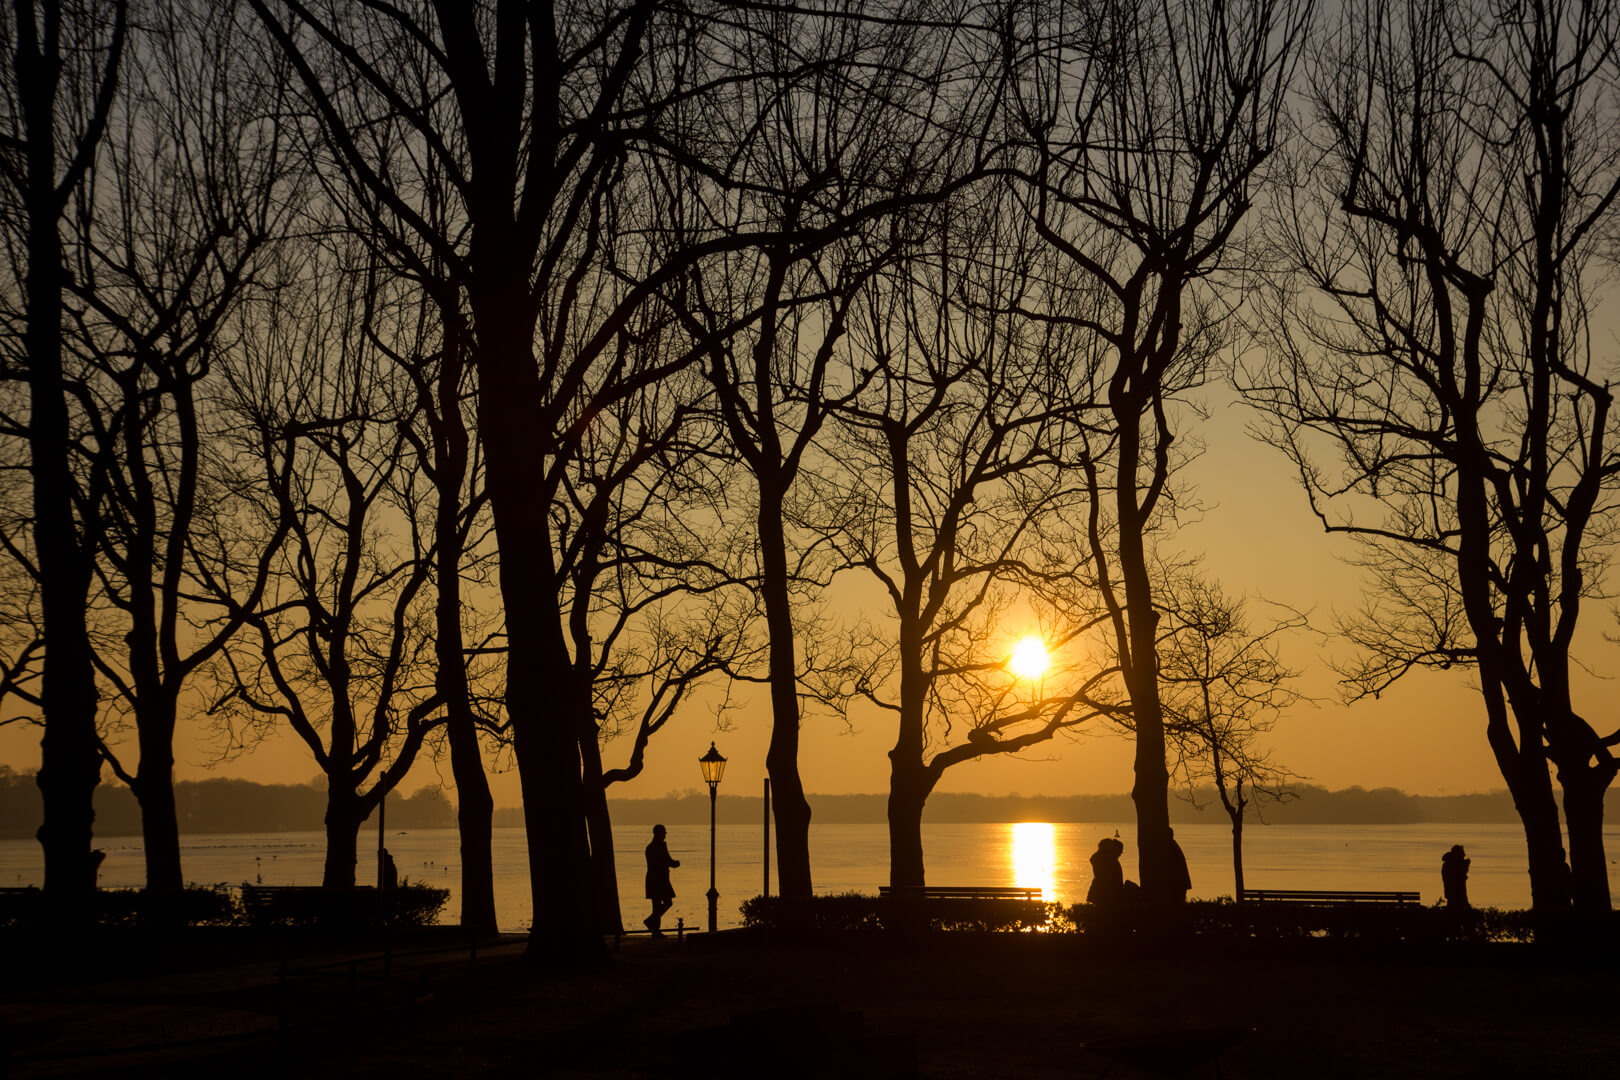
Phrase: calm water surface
[855,858]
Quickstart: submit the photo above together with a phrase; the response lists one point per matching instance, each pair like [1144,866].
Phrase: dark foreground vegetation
[1206,921]
[848,1004]
[347,910]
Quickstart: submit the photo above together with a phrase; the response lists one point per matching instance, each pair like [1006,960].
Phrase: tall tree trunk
[154,790]
[910,781]
[599,827]
[792,809]
[1523,765]
[1151,790]
[542,700]
[1237,856]
[1544,839]
[540,692]
[475,808]
[1583,814]
[342,836]
[475,820]
[909,787]
[70,756]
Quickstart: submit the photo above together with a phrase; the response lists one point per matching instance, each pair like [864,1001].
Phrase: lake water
[855,858]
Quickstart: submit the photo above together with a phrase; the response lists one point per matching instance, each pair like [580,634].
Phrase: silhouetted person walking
[1179,877]
[659,890]
[1454,877]
[1107,876]
[390,874]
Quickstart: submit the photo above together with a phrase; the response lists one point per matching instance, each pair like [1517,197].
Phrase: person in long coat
[1454,877]
[1107,875]
[1180,880]
[659,890]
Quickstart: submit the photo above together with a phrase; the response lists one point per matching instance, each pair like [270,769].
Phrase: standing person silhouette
[1107,876]
[1180,879]
[659,890]
[1454,877]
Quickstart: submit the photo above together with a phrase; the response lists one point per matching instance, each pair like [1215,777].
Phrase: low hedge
[1281,922]
[858,911]
[409,905]
[196,905]
[1210,919]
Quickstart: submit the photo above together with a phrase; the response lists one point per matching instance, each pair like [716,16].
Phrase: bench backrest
[964,892]
[1329,896]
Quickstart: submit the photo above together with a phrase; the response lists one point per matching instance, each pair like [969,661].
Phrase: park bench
[304,903]
[961,892]
[1328,897]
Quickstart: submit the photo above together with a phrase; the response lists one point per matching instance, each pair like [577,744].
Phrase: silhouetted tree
[1146,126]
[185,189]
[531,113]
[1224,686]
[852,114]
[1433,334]
[944,473]
[426,334]
[61,62]
[341,648]
[654,602]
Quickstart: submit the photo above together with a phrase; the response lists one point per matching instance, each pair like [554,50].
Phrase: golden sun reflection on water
[1034,857]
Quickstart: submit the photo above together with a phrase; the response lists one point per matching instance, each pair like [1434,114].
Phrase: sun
[1028,659]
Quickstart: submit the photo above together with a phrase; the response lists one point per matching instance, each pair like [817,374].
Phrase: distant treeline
[216,806]
[235,806]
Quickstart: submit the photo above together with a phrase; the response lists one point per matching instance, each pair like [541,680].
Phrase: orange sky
[1426,735]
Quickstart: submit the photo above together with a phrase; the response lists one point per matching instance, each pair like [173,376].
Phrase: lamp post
[714,766]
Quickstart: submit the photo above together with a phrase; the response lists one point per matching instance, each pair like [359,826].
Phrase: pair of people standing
[1108,885]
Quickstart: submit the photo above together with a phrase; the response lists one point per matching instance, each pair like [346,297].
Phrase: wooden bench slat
[964,892]
[1329,896]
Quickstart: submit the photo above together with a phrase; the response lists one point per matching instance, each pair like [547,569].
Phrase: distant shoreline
[226,806]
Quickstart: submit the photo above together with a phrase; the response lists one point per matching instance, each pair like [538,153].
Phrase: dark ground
[743,1004]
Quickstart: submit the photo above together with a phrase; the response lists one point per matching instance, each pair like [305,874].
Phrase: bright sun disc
[1028,659]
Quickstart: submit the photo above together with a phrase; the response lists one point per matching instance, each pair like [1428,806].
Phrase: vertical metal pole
[714,894]
[766,891]
[382,814]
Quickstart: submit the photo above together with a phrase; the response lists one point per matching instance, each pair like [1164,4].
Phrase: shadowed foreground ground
[743,1005]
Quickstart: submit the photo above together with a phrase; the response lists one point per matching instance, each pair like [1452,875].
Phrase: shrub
[1282,922]
[416,904]
[197,905]
[361,907]
[857,911]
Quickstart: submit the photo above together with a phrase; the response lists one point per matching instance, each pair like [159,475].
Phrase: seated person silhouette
[659,890]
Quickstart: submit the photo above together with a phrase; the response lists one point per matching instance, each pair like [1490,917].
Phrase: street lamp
[714,766]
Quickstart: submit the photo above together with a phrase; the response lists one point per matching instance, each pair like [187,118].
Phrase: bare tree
[425,333]
[341,648]
[186,188]
[61,70]
[1434,376]
[657,607]
[850,115]
[531,112]
[1224,686]
[945,475]
[1146,126]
